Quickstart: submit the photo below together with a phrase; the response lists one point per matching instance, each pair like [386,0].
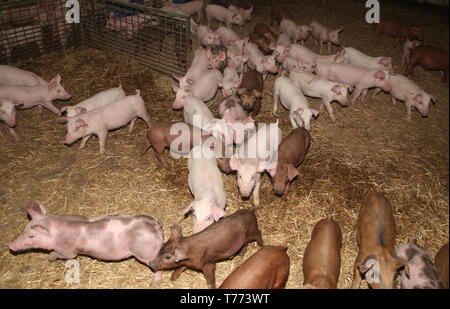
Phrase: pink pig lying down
[404,89]
[253,157]
[8,115]
[12,76]
[99,121]
[206,185]
[99,100]
[109,238]
[40,95]
[361,78]
[316,87]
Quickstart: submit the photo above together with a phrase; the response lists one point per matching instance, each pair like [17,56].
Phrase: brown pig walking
[291,153]
[201,251]
[266,269]
[185,136]
[322,258]
[399,31]
[430,57]
[376,233]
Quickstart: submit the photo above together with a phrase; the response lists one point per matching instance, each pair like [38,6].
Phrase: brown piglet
[430,57]
[180,138]
[375,234]
[266,269]
[251,91]
[441,263]
[393,28]
[322,258]
[261,42]
[291,153]
[201,251]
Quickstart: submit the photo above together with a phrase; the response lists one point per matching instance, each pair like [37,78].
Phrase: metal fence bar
[160,40]
[33,27]
[157,39]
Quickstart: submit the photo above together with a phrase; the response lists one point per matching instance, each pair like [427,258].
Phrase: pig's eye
[253,177]
[31,236]
[167,257]
[240,177]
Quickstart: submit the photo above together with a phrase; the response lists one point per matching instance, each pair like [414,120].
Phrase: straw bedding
[370,147]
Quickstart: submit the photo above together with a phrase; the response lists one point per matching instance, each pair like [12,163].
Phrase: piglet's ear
[217,212]
[52,84]
[179,254]
[292,172]
[234,163]
[40,229]
[80,110]
[80,123]
[379,75]
[418,98]
[400,263]
[189,208]
[261,167]
[367,263]
[222,56]
[272,172]
[175,231]
[175,88]
[315,112]
[36,210]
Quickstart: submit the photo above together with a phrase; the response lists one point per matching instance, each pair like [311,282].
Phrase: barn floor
[370,147]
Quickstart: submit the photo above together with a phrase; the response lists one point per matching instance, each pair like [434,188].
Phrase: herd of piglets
[238,66]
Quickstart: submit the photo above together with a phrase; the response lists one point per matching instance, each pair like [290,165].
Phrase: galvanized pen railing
[157,39]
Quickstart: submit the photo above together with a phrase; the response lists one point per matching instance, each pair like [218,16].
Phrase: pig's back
[252,80]
[102,98]
[402,87]
[228,235]
[204,177]
[317,29]
[430,56]
[376,222]
[266,269]
[14,76]
[110,237]
[322,255]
